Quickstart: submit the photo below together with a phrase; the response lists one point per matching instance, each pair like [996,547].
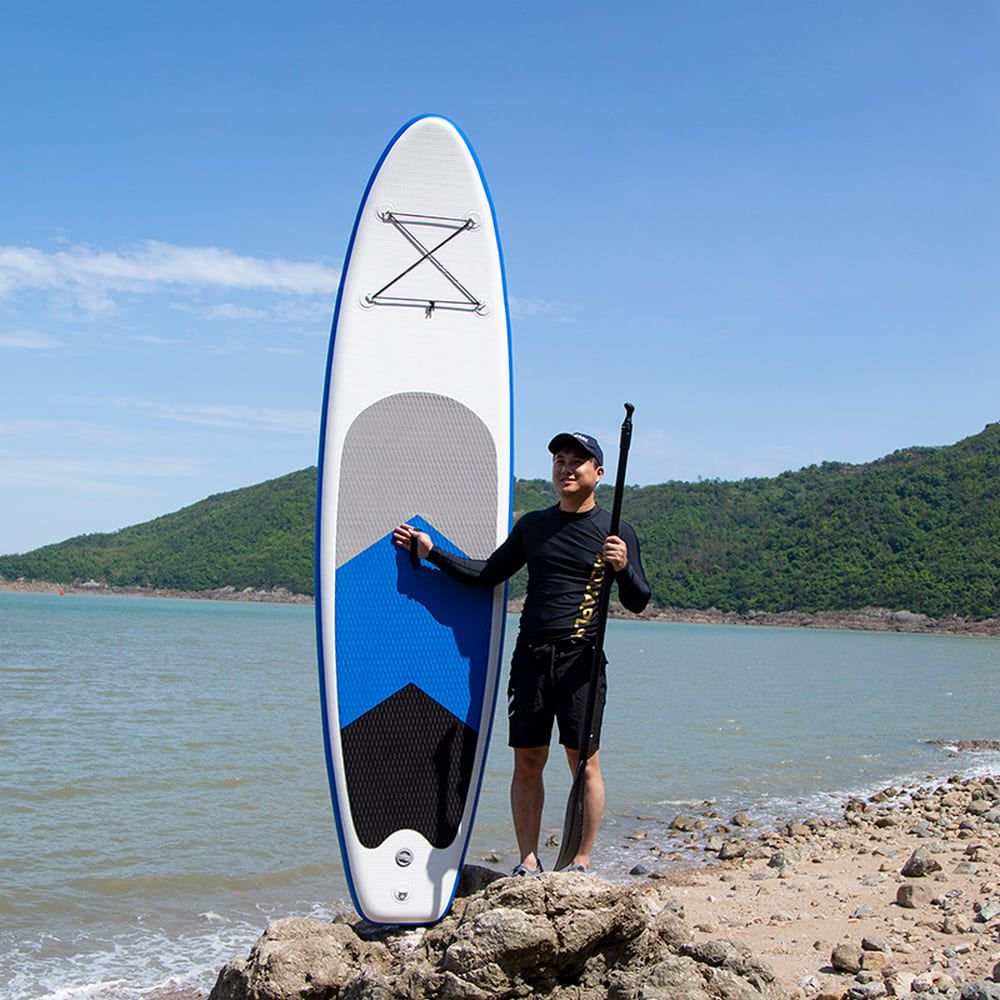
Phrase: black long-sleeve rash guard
[563,553]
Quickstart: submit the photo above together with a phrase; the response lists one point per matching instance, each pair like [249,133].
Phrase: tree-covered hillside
[918,530]
[260,536]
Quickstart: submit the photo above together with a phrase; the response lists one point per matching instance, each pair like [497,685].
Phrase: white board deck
[416,427]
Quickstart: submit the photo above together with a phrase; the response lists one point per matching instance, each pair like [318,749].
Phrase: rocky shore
[262,595]
[863,619]
[898,898]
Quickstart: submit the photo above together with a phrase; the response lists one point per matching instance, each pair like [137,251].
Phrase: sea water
[163,789]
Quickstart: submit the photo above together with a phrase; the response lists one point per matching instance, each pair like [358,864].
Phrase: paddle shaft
[573,824]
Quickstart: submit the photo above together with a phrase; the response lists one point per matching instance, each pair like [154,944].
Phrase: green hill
[917,530]
[260,536]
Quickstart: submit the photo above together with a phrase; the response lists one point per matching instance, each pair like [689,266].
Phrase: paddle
[573,823]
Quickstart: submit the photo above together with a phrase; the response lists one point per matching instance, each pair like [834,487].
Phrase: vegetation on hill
[260,536]
[917,530]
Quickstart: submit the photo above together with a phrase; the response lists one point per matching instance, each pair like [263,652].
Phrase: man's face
[575,474]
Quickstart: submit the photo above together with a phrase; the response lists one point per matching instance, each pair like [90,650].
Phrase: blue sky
[772,226]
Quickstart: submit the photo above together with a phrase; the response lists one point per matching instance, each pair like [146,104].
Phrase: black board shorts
[549,682]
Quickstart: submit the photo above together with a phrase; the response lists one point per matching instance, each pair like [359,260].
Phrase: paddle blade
[573,823]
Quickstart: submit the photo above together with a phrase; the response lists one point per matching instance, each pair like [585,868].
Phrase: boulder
[558,935]
[298,957]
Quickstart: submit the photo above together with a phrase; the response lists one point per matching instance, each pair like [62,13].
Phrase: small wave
[129,966]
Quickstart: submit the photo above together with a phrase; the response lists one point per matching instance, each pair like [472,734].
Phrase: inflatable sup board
[416,427]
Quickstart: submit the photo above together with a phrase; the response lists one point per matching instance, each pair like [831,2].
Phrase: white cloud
[160,341]
[69,474]
[92,275]
[28,340]
[284,311]
[229,416]
[54,430]
[527,308]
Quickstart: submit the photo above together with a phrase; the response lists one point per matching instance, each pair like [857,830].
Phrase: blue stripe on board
[399,626]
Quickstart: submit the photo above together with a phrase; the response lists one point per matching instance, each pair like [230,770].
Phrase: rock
[742,819]
[876,960]
[899,983]
[987,911]
[979,807]
[980,991]
[639,869]
[559,936]
[953,924]
[911,895]
[732,849]
[874,942]
[779,860]
[504,936]
[869,991]
[920,864]
[846,957]
[923,983]
[298,957]
[475,878]
[685,824]
[996,973]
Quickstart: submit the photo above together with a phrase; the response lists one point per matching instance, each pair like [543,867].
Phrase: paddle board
[416,427]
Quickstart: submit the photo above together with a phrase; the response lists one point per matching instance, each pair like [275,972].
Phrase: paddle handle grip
[624,442]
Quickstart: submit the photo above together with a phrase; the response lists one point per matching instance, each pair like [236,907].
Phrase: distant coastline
[861,620]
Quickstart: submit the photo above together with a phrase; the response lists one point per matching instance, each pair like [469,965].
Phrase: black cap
[579,442]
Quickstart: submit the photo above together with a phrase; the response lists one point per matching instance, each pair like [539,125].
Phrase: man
[567,550]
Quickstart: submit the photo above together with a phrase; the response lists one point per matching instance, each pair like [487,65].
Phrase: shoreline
[897,896]
[860,620]
[811,895]
[904,885]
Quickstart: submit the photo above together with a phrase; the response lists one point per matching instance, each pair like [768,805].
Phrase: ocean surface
[163,791]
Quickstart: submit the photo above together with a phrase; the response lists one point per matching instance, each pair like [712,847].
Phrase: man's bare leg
[527,796]
[593,803]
